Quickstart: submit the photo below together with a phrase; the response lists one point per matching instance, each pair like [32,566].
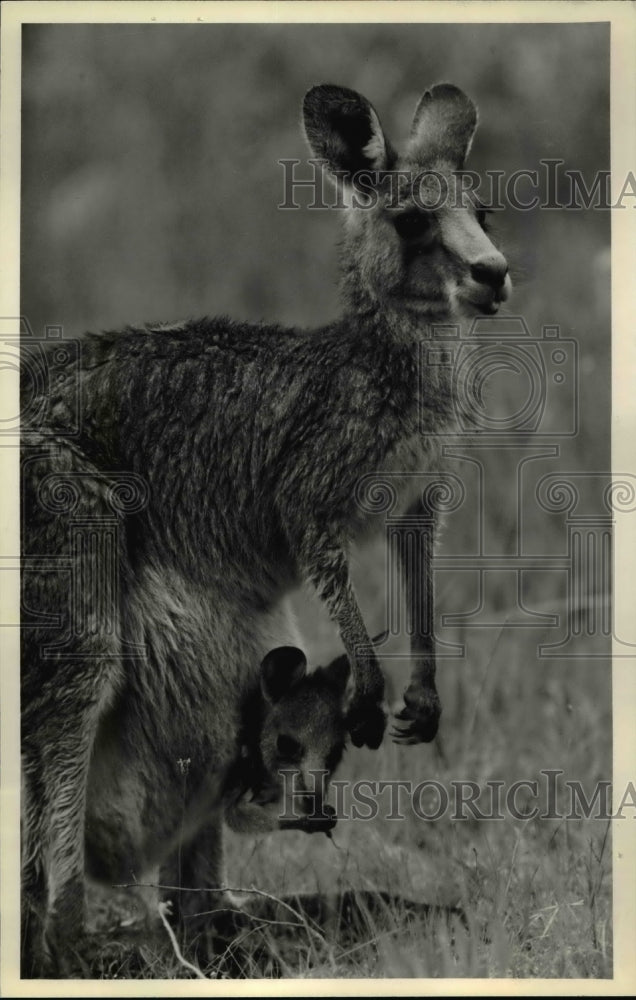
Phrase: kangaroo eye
[289,748]
[413,225]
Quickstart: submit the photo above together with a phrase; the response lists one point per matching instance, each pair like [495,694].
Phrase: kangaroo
[292,722]
[250,441]
[141,818]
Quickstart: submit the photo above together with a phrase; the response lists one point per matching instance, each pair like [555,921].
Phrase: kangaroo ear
[281,670]
[443,125]
[344,129]
[336,674]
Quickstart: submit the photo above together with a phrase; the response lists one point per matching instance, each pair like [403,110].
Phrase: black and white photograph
[317,672]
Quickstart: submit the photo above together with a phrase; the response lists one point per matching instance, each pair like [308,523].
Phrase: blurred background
[151,180]
[151,185]
[150,192]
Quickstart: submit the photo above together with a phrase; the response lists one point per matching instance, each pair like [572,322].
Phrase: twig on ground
[163,909]
[252,891]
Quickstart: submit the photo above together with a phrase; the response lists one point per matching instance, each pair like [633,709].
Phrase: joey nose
[490,271]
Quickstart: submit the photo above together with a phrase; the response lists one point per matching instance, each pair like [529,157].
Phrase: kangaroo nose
[490,271]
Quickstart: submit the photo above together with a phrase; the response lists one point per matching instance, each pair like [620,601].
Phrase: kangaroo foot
[421,712]
[67,960]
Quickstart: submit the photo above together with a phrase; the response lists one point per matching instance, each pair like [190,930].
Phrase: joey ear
[343,128]
[336,674]
[443,125]
[281,670]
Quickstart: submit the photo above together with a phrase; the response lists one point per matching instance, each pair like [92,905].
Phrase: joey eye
[413,225]
[289,748]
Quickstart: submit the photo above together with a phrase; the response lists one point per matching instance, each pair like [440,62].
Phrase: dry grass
[536,893]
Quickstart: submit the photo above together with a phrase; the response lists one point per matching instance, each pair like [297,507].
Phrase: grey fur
[250,441]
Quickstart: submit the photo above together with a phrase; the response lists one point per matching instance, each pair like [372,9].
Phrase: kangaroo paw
[69,960]
[366,722]
[421,712]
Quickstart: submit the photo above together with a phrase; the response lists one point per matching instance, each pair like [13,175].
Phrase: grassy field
[536,892]
[150,188]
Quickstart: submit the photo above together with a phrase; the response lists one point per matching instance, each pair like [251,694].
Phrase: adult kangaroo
[244,444]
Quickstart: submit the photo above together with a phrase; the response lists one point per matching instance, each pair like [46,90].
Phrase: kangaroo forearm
[367,676]
[329,573]
[422,706]
[417,577]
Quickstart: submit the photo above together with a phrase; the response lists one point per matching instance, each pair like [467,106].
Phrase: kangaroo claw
[406,737]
